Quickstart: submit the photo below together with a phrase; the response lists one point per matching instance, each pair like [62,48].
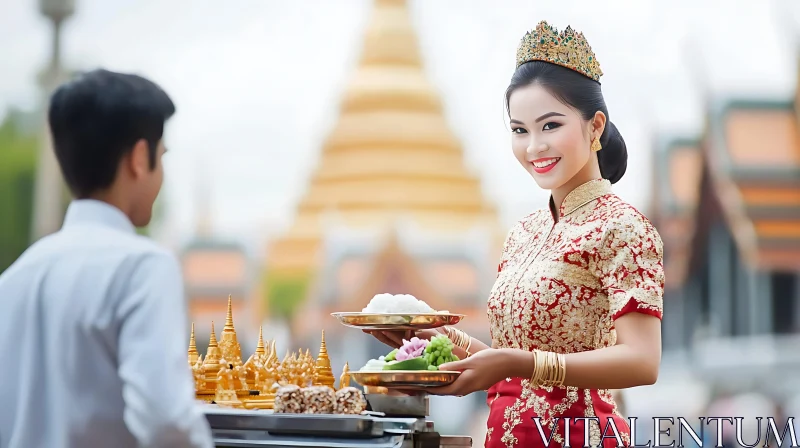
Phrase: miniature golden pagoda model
[344,380]
[193,355]
[323,375]
[228,344]
[228,387]
[231,367]
[261,373]
[221,376]
[254,367]
[206,385]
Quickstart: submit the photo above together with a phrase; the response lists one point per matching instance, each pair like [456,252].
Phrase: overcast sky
[257,82]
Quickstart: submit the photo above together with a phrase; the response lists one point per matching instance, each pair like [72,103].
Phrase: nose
[535,148]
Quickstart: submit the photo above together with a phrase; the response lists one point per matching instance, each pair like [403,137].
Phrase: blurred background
[324,152]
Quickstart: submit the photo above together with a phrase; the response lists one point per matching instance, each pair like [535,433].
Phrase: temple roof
[746,168]
[755,145]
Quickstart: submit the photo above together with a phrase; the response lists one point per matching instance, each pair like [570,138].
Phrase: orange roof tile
[774,228]
[762,137]
[764,195]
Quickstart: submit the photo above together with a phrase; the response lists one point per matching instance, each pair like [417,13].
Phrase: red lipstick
[545,165]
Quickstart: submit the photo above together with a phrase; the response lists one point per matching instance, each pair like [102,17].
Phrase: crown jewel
[568,49]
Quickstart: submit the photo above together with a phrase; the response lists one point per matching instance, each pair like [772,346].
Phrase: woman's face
[551,140]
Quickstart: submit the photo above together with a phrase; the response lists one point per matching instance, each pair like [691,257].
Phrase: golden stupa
[390,157]
[229,346]
[211,363]
[193,354]
[221,376]
[323,375]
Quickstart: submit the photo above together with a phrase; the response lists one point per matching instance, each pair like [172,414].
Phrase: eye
[550,126]
[518,131]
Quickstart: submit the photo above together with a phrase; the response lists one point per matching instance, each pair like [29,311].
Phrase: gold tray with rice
[405,379]
[397,321]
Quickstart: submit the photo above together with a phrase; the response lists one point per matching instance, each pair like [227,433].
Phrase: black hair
[96,119]
[585,95]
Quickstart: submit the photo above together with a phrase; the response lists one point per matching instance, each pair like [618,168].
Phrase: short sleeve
[631,268]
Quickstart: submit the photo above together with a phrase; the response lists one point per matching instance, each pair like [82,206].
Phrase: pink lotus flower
[411,349]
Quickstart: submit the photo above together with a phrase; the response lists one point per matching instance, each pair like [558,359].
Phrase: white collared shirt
[93,333]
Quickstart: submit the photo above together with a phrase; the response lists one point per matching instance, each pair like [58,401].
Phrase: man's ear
[139,159]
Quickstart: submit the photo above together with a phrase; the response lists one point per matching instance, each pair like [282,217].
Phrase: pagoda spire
[323,373]
[261,349]
[229,344]
[229,318]
[391,156]
[193,354]
[213,355]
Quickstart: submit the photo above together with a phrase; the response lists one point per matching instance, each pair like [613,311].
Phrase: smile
[542,166]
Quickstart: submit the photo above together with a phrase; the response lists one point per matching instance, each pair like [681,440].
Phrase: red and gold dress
[560,286]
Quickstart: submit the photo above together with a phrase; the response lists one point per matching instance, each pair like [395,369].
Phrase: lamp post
[47,207]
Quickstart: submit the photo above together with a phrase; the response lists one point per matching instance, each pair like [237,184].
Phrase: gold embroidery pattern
[608,397]
[594,427]
[562,283]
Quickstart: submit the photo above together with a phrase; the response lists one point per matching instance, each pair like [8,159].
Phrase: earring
[596,146]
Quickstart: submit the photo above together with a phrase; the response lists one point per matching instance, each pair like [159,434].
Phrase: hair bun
[613,157]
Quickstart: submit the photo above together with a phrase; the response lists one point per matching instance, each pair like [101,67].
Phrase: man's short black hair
[96,119]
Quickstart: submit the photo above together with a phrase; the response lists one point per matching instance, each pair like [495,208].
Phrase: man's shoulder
[96,248]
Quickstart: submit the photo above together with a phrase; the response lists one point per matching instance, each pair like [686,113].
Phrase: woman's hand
[484,369]
[394,339]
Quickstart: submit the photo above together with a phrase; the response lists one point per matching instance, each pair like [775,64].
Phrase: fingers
[393,339]
[397,337]
[427,334]
[456,365]
[379,335]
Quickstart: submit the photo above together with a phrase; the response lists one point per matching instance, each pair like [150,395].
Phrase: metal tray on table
[317,425]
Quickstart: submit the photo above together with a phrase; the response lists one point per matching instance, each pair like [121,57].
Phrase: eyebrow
[543,117]
[548,115]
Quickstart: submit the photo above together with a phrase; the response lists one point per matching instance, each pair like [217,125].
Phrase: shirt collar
[581,196]
[91,211]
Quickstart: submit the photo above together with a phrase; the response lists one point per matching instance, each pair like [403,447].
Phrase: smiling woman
[556,114]
[576,309]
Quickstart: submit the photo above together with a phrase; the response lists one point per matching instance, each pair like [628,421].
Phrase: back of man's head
[96,119]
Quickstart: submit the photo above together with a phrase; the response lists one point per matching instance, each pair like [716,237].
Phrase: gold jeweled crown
[568,49]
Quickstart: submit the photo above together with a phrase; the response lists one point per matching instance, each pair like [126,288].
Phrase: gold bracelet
[469,345]
[537,368]
[458,337]
[549,369]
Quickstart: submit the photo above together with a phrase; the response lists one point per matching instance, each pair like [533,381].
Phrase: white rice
[374,365]
[397,303]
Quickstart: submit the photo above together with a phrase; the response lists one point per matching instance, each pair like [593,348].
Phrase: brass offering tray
[398,321]
[405,379]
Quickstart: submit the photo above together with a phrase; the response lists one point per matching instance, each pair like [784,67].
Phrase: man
[93,318]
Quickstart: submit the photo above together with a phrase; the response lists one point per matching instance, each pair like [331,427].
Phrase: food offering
[222,378]
[397,312]
[414,365]
[292,399]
